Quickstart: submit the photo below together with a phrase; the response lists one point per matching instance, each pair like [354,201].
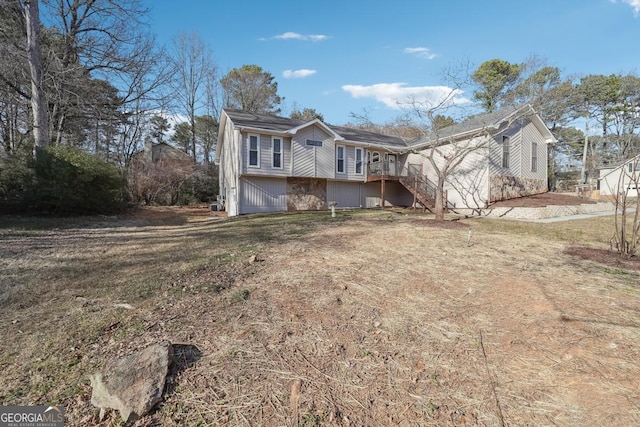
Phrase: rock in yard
[133,384]
[255,258]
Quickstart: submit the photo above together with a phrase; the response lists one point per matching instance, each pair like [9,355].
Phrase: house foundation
[306,194]
[511,187]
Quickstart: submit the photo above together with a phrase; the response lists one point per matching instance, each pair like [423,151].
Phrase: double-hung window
[534,157]
[340,159]
[276,152]
[506,142]
[254,151]
[359,161]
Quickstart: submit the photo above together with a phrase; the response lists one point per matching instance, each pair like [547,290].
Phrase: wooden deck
[373,178]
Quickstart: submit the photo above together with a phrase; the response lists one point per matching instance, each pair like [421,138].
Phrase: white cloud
[635,5]
[397,95]
[297,74]
[296,36]
[317,37]
[420,52]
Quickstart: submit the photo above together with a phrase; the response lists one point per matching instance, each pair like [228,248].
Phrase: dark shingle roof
[477,122]
[358,135]
[262,121]
[270,122]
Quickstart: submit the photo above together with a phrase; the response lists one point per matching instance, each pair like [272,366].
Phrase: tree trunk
[38,96]
[439,208]
[583,171]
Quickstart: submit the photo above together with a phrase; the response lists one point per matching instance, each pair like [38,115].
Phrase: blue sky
[350,55]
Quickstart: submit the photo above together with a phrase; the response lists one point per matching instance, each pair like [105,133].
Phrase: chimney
[148,151]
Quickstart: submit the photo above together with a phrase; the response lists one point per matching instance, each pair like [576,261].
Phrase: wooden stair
[422,189]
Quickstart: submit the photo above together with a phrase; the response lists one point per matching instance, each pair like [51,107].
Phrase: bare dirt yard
[373,318]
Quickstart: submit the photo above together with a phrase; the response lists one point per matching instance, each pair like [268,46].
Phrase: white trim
[355,161]
[344,159]
[249,165]
[273,152]
[318,122]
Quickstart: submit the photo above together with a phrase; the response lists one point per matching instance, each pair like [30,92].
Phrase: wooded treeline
[596,118]
[88,74]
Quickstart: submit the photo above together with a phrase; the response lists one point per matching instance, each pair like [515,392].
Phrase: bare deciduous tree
[194,72]
[626,236]
[39,106]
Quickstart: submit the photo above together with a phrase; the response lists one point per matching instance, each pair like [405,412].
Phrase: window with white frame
[254,151]
[359,161]
[506,142]
[339,158]
[534,157]
[276,152]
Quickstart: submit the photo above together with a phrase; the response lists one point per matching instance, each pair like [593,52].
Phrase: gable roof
[272,123]
[486,121]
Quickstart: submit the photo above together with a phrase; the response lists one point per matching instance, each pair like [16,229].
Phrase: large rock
[133,384]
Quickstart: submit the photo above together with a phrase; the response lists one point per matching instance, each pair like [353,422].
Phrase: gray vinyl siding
[530,134]
[346,194]
[261,194]
[468,184]
[266,159]
[371,194]
[520,154]
[350,164]
[515,153]
[397,195]
[310,161]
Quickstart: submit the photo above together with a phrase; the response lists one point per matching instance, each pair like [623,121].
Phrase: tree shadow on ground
[184,357]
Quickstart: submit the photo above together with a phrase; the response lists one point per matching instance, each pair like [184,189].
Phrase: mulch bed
[606,257]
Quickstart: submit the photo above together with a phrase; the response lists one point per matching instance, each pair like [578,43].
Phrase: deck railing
[386,168]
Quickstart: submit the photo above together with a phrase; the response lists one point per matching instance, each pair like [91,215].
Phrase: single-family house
[271,163]
[160,153]
[621,177]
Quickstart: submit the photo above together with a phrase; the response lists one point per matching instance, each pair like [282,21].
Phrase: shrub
[17,181]
[200,187]
[72,181]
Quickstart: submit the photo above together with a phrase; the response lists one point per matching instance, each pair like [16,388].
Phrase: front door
[391,164]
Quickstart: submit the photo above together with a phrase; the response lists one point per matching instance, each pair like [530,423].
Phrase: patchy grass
[370,318]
